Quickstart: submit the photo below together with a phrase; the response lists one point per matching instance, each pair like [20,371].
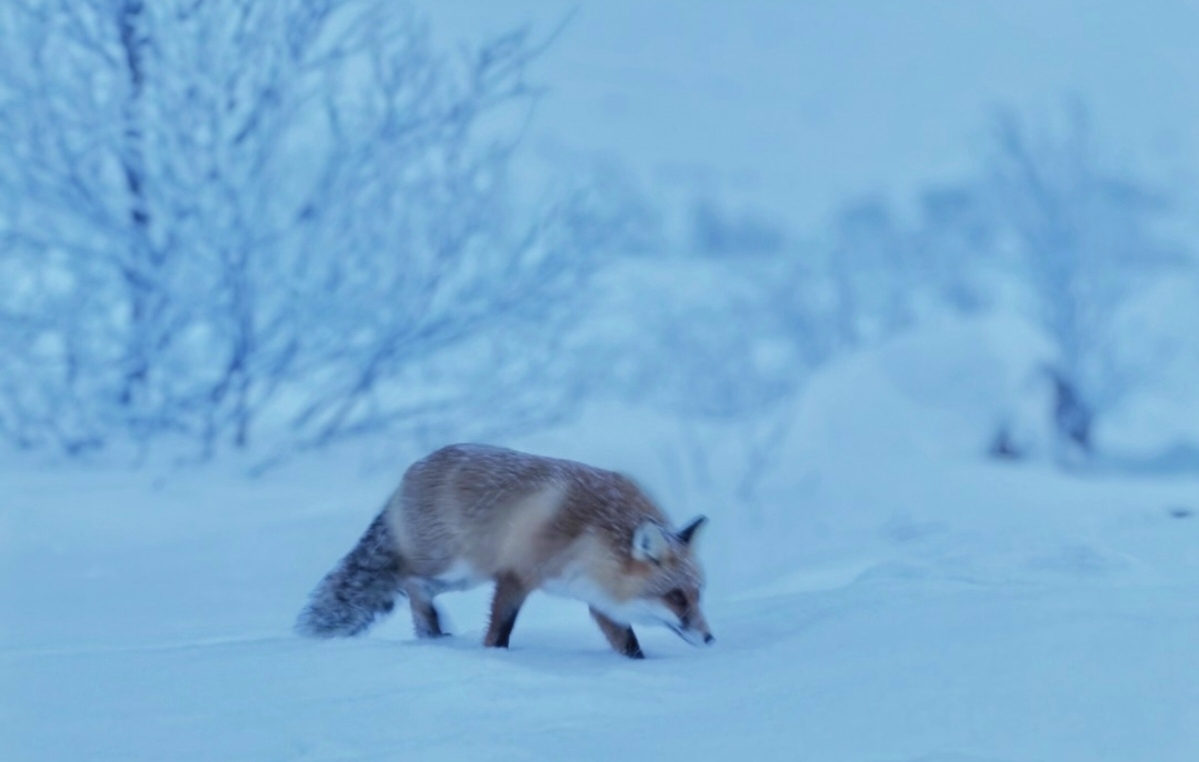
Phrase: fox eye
[676,599]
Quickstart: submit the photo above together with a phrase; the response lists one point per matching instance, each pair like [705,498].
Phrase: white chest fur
[575,583]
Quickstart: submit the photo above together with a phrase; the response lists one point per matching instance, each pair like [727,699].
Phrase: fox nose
[708,639]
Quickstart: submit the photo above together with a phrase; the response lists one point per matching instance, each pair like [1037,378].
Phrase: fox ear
[687,534]
[650,543]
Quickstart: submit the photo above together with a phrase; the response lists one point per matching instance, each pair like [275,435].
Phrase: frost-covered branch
[295,218]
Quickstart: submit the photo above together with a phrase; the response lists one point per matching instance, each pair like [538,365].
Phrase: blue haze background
[799,105]
[904,296]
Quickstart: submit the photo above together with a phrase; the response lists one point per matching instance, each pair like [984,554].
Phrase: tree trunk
[140,275]
[1073,418]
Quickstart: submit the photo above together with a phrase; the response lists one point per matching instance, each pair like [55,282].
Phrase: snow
[884,603]
[1157,333]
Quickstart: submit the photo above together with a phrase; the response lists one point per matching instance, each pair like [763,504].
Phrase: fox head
[672,579]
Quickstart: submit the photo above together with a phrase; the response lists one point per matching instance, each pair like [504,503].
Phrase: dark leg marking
[426,620]
[620,636]
[510,594]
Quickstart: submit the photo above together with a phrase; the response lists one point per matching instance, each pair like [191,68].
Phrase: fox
[468,514]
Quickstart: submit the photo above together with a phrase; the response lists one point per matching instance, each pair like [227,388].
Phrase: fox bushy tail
[362,586]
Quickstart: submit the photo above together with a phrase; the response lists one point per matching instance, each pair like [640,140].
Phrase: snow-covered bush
[1083,238]
[1044,231]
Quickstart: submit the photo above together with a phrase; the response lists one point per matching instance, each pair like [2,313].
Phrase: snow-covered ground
[881,602]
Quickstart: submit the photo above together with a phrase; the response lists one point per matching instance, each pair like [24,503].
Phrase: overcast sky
[794,105]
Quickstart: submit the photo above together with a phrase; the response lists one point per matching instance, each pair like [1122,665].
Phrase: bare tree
[1084,238]
[296,217]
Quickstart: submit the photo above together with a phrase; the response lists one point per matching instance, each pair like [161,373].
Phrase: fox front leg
[510,594]
[619,635]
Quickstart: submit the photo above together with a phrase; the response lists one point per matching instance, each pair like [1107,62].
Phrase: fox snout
[695,636]
[694,628]
[685,618]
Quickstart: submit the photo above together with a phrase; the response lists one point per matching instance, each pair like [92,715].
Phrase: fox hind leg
[620,636]
[426,620]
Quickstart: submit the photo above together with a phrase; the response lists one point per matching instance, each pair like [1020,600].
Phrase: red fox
[470,513]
